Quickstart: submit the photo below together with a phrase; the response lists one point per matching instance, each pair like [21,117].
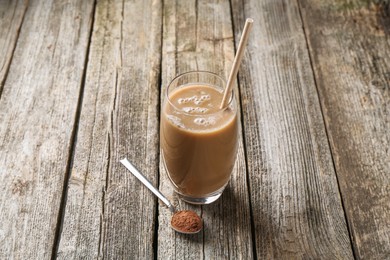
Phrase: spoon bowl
[184,232]
[186,221]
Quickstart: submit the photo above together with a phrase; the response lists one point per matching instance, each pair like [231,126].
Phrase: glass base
[209,198]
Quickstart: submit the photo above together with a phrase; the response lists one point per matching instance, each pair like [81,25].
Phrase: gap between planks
[73,140]
[325,125]
[7,64]
[244,140]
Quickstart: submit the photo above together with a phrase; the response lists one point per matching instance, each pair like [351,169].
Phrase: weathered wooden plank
[37,114]
[197,35]
[350,48]
[11,18]
[109,213]
[297,210]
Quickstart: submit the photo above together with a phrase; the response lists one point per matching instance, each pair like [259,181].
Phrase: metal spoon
[153,189]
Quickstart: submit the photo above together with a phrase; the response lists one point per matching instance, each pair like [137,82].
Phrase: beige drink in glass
[198,138]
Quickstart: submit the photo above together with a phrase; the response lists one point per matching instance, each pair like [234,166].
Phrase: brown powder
[186,221]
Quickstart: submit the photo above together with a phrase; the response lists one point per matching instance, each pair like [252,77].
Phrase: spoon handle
[147,183]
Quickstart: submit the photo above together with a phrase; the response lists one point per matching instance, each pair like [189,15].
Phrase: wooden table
[81,84]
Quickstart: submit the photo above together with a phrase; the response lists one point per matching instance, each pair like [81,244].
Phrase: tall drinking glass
[198,138]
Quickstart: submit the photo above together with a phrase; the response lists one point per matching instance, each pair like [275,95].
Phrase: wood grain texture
[37,114]
[297,210]
[109,213]
[11,18]
[350,47]
[197,35]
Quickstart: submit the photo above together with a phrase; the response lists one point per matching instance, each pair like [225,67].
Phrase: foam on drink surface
[176,121]
[200,104]
[199,110]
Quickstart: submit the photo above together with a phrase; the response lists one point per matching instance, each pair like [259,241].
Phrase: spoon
[156,192]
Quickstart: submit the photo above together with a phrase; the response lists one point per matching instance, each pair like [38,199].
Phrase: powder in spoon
[186,221]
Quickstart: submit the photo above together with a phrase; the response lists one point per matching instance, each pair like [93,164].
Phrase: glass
[198,138]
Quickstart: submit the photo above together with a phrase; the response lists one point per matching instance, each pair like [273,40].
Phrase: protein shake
[198,140]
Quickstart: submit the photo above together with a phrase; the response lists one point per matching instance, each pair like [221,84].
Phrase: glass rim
[199,71]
